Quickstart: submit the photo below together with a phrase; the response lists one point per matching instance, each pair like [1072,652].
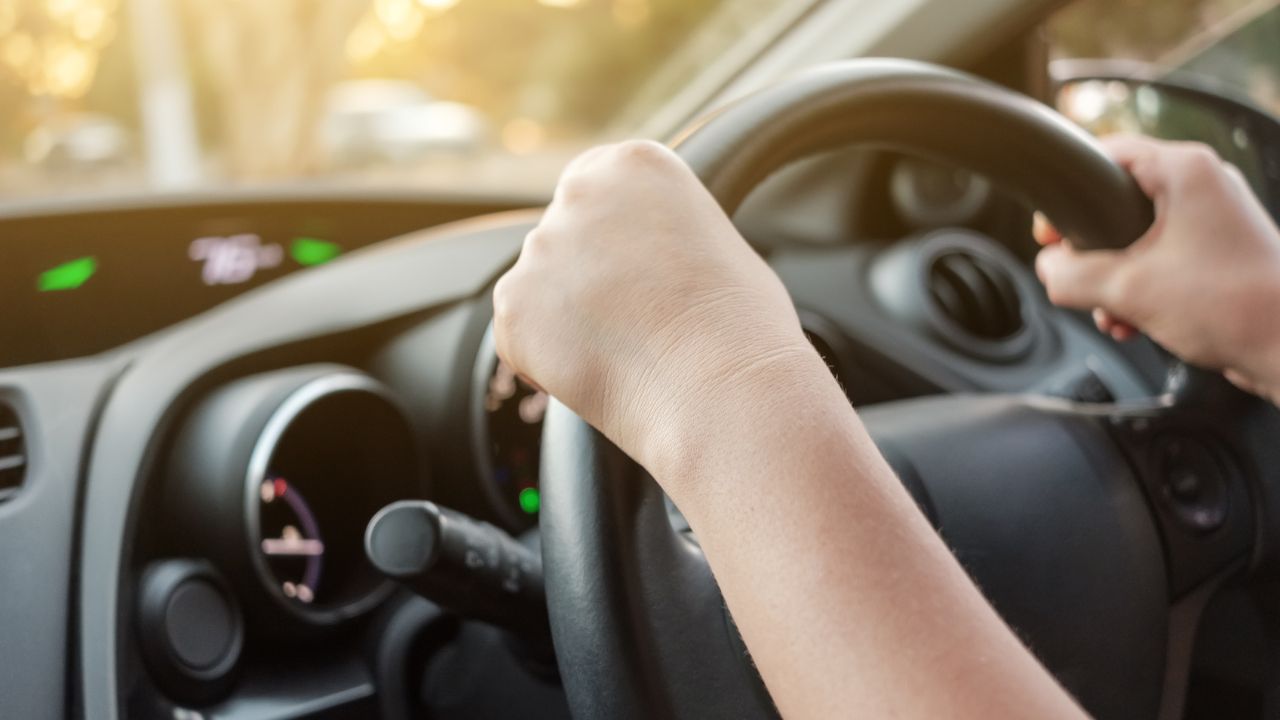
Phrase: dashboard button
[1194,484]
[189,628]
[199,624]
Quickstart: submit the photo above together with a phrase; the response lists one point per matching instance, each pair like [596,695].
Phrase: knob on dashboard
[190,628]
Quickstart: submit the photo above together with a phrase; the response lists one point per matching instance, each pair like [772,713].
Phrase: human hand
[1203,282]
[636,303]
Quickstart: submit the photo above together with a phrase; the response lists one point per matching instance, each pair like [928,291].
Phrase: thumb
[1079,279]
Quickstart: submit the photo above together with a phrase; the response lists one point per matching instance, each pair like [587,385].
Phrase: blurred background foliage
[258,75]
[174,93]
[1136,29]
[1233,43]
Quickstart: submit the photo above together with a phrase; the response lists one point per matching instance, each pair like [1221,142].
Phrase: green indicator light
[68,275]
[313,251]
[530,501]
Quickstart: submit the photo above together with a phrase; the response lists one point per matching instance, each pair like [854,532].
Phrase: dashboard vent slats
[13,455]
[976,295]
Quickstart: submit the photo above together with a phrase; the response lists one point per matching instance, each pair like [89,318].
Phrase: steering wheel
[1095,530]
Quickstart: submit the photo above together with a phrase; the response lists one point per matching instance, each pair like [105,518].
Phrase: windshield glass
[1227,45]
[483,96]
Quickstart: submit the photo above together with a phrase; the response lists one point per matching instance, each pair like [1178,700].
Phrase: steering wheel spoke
[1040,506]
[1097,531]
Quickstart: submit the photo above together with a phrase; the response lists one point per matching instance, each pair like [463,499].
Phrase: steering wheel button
[1185,485]
[1194,486]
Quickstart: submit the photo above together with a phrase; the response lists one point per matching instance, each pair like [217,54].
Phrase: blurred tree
[1232,41]
[268,64]
[568,65]
[50,55]
[543,70]
[1133,29]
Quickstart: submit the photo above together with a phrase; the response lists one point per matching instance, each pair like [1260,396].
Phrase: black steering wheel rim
[618,637]
[1026,148]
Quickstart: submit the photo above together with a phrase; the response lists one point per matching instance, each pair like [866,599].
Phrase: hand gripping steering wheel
[1070,516]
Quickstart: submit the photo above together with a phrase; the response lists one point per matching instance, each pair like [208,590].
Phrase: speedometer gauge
[332,451]
[927,195]
[274,477]
[291,543]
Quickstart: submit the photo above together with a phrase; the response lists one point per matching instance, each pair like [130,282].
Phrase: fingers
[1244,383]
[1126,148]
[1166,168]
[1109,324]
[1082,280]
[504,315]
[1044,231]
[1068,269]
[1141,157]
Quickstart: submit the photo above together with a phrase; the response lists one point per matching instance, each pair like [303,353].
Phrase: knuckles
[643,153]
[535,242]
[605,169]
[506,321]
[612,176]
[1123,287]
[1200,157]
[505,302]
[576,186]
[1196,165]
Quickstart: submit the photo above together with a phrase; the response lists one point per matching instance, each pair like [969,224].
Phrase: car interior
[259,458]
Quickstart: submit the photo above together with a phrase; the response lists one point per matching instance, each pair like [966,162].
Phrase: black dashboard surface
[397,280]
[92,279]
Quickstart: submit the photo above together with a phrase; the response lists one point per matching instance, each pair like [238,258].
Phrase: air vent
[13,455]
[975,294]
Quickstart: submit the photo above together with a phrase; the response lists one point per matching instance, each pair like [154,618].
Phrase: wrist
[727,404]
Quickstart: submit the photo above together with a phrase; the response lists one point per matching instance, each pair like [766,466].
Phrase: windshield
[472,96]
[1227,45]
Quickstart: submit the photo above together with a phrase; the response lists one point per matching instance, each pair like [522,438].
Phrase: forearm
[849,602]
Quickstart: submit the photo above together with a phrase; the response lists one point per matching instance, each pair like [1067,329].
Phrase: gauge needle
[301,547]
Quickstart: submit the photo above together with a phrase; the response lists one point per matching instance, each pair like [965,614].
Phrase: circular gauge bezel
[264,449]
[924,214]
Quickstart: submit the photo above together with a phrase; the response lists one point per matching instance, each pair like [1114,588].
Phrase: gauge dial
[927,195]
[508,437]
[332,455]
[291,543]
[515,410]
[273,478]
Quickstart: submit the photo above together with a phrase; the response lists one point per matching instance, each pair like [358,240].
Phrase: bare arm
[849,602]
[637,304]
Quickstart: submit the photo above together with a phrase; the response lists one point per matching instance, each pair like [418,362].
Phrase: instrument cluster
[269,484]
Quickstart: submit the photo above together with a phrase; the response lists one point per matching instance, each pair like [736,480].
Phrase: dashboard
[89,280]
[248,381]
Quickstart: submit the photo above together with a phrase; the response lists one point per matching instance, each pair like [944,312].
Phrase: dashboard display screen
[79,283]
[77,294]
